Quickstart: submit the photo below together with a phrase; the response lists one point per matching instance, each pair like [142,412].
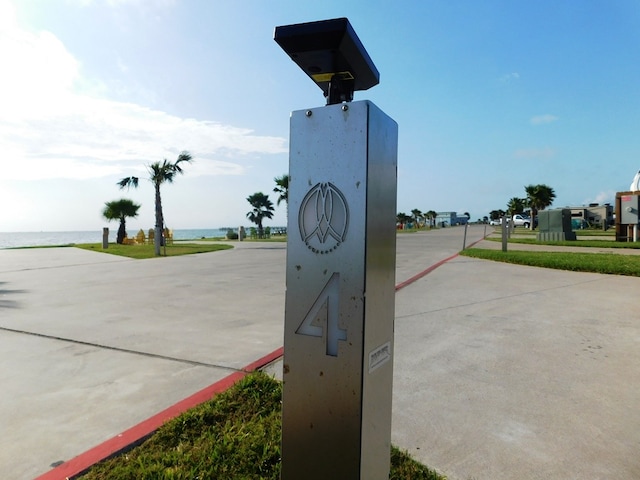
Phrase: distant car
[521,221]
[518,220]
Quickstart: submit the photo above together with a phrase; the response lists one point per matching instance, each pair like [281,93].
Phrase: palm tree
[159,173]
[282,188]
[416,216]
[120,210]
[516,205]
[431,215]
[496,214]
[262,208]
[402,218]
[539,197]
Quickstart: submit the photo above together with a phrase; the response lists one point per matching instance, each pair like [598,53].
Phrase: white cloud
[509,77]
[543,119]
[530,153]
[146,3]
[49,129]
[602,198]
[123,67]
[7,15]
[119,3]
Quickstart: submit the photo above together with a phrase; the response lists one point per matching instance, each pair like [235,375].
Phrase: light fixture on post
[341,244]
[331,54]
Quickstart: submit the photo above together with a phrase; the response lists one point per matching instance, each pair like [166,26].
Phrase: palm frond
[127,182]
[184,157]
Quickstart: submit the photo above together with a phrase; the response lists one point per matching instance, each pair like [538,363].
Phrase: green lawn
[581,233]
[574,243]
[147,251]
[236,435]
[615,264]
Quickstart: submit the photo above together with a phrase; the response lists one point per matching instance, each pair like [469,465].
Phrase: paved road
[501,371]
[91,344]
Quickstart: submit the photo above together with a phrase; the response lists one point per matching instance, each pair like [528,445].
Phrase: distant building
[450,219]
[594,215]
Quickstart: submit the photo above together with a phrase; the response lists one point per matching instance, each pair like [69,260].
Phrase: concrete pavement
[91,344]
[512,372]
[501,371]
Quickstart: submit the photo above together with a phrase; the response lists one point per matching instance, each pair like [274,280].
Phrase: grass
[574,243]
[579,262]
[581,233]
[596,232]
[147,251]
[236,435]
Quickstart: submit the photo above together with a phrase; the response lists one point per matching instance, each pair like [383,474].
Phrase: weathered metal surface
[338,360]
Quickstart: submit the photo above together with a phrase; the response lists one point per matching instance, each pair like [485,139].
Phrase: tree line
[166,172]
[159,173]
[537,197]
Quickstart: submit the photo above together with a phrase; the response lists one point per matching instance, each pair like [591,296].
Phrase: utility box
[338,340]
[555,225]
[629,209]
[341,263]
[627,216]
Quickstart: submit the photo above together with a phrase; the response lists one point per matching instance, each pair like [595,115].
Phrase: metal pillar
[464,240]
[504,233]
[338,343]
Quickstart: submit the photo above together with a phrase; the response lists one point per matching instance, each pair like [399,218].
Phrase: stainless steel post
[464,240]
[504,233]
[338,341]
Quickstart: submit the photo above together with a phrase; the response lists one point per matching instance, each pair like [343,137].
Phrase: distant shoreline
[49,239]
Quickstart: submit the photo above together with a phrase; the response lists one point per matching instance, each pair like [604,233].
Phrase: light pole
[339,312]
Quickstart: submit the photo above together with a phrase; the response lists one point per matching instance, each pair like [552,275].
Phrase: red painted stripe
[476,242]
[400,286]
[427,271]
[112,446]
[266,360]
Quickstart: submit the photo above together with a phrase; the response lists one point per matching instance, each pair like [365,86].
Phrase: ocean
[43,239]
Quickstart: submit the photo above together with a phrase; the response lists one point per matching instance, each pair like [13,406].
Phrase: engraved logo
[323,218]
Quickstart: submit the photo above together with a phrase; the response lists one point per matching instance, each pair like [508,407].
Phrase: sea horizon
[62,238]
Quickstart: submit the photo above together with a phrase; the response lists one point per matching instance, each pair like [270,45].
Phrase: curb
[430,269]
[136,434]
[139,432]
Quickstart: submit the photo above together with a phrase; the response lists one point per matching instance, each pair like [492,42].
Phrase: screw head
[345,108]
[308,113]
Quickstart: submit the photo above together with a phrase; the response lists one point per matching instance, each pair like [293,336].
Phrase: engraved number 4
[325,307]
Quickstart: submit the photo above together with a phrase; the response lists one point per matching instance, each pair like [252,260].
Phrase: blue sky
[489,96]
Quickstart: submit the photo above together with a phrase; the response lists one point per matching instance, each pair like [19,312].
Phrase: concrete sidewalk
[512,372]
[92,344]
[501,371]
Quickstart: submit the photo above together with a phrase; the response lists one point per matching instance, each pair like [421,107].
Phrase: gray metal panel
[557,220]
[340,267]
[629,209]
[380,293]
[543,221]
